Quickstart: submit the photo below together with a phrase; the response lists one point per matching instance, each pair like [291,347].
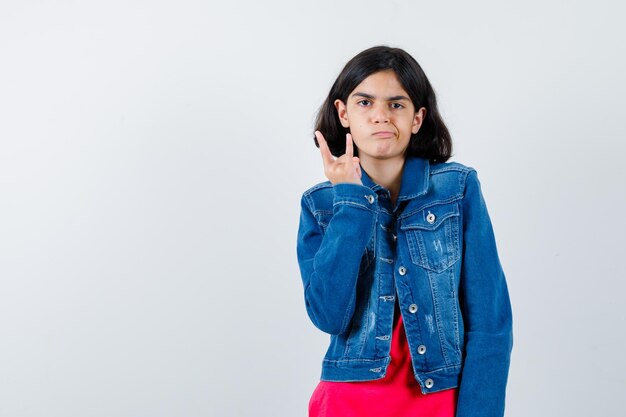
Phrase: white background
[152,158]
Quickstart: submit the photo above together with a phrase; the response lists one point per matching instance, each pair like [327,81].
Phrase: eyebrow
[393,98]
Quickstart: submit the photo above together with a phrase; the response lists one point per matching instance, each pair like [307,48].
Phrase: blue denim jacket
[435,250]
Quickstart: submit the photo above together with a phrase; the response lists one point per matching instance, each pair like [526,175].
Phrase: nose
[380,115]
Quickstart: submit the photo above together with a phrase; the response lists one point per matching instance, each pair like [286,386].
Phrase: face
[381,116]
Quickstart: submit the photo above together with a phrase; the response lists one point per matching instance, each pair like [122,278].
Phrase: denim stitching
[430,204]
[455,313]
[438,319]
[352,203]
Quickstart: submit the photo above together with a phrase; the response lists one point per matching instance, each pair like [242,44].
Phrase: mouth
[384,134]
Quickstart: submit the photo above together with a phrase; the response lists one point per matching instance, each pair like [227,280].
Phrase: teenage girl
[398,257]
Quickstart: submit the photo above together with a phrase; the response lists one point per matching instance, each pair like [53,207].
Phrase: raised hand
[346,168]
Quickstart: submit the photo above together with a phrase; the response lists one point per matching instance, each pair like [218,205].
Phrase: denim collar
[414,182]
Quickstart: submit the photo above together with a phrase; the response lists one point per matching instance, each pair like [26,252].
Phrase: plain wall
[152,159]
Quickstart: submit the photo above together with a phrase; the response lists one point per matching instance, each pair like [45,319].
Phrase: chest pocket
[433,236]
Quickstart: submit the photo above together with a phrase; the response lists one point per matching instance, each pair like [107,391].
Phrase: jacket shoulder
[442,167]
[319,197]
[448,179]
[321,186]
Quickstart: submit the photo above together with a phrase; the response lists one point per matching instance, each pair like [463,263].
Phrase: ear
[418,120]
[342,112]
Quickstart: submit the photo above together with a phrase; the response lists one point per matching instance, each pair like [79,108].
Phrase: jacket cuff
[355,195]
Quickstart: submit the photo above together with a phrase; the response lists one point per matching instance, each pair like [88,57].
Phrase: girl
[398,255]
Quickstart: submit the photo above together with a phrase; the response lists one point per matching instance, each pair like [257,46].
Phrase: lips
[384,134]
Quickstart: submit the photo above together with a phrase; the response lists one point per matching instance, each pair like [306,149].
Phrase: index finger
[327,156]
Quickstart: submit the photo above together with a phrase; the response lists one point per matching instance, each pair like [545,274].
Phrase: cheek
[357,126]
[411,126]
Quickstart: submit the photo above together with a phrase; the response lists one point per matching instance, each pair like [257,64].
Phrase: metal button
[429,383]
[402,270]
[421,349]
[413,308]
[394,237]
[370,198]
[430,218]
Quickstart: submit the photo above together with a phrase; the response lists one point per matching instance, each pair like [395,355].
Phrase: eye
[400,105]
[359,102]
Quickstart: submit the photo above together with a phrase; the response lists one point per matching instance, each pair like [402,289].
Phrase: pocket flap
[431,217]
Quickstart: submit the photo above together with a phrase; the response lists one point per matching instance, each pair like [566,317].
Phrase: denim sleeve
[486,310]
[329,262]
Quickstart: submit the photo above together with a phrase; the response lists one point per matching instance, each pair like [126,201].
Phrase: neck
[385,172]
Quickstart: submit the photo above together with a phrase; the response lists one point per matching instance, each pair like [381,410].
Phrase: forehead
[381,83]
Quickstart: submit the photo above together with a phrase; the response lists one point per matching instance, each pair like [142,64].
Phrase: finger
[357,165]
[349,150]
[327,156]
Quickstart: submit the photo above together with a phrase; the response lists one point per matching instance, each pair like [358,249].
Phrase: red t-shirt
[396,395]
